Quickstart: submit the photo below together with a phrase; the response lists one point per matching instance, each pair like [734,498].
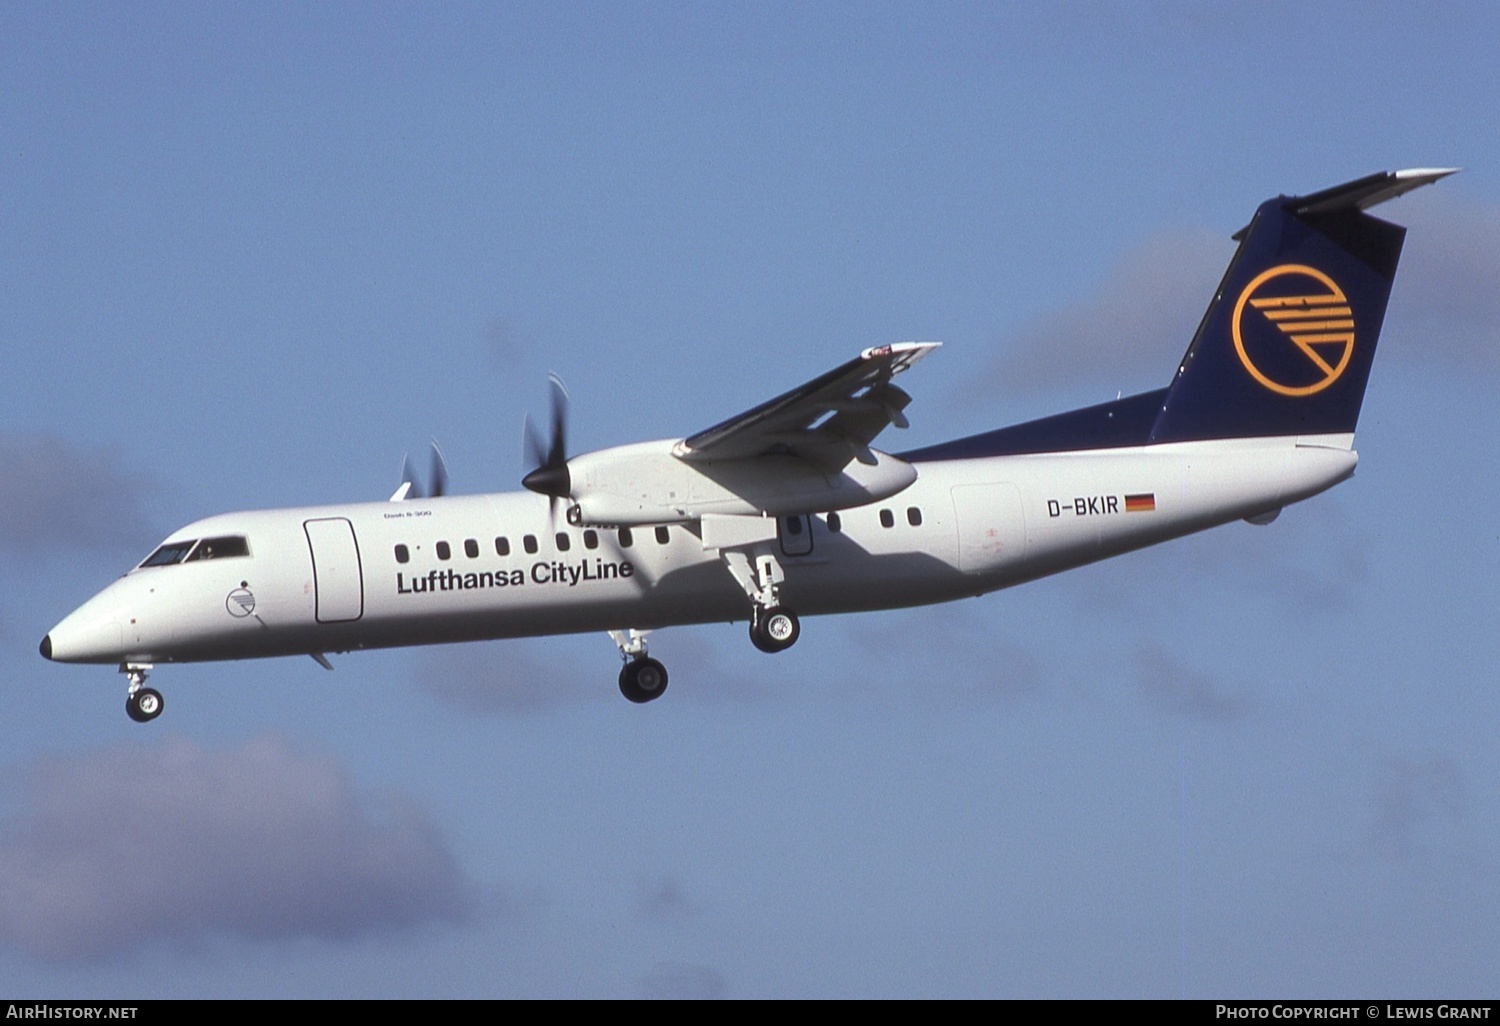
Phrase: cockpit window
[171,552]
[193,551]
[220,548]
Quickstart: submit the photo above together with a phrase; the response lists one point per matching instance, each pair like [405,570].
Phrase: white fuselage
[330,578]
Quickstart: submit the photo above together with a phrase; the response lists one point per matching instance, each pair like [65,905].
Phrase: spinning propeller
[437,478]
[550,474]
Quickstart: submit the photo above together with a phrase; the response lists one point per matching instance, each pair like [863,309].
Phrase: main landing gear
[773,627]
[642,679]
[142,704]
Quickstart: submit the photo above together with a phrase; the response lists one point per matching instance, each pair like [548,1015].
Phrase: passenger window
[443,551]
[626,538]
[913,516]
[662,537]
[793,525]
[403,554]
[564,543]
[529,543]
[591,539]
[887,518]
[471,548]
[220,548]
[502,546]
[835,525]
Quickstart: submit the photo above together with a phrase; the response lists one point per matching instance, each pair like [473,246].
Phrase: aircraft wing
[828,421]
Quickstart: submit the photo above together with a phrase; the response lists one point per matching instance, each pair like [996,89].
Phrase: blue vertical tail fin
[1286,345]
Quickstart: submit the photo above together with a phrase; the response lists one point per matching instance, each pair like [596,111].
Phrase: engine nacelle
[647,484]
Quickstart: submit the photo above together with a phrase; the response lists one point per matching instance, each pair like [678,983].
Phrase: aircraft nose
[87,635]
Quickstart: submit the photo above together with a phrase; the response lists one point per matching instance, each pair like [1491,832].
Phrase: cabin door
[338,579]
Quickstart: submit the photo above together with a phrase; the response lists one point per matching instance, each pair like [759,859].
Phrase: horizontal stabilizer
[1364,193]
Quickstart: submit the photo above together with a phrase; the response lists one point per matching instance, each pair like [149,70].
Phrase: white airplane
[787,507]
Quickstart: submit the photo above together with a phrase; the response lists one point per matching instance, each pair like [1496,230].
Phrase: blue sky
[252,254]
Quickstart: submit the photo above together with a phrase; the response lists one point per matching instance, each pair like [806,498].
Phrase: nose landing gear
[642,679]
[142,704]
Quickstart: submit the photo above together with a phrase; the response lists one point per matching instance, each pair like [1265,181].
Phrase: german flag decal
[1143,503]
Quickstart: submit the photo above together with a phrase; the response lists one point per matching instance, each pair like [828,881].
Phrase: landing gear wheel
[775,630]
[643,680]
[143,705]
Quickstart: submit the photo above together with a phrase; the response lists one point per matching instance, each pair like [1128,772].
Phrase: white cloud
[1445,303]
[1129,336]
[664,899]
[124,847]
[507,678]
[1416,798]
[1173,687]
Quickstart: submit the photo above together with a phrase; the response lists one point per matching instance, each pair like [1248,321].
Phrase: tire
[643,680]
[143,705]
[758,639]
[775,630]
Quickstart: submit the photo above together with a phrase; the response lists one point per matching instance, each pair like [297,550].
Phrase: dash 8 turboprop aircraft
[786,509]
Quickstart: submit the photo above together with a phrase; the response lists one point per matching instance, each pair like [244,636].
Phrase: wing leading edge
[829,421]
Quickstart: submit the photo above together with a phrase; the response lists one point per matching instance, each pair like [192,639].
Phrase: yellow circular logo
[1300,305]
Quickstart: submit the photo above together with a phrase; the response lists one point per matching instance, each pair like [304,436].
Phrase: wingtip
[911,350]
[1427,174]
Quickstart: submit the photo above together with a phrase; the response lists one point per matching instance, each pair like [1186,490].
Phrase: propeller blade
[414,490]
[439,476]
[549,474]
[557,453]
[536,450]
